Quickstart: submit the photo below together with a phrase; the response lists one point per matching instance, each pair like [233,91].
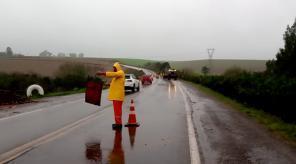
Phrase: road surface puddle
[94,153]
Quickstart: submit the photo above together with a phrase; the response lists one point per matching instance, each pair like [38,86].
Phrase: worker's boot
[116,126]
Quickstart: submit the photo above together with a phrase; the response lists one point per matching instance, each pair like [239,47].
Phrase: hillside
[134,62]
[220,65]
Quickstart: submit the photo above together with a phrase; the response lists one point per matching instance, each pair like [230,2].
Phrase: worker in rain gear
[116,92]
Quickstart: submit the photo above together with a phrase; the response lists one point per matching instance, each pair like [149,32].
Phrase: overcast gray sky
[150,29]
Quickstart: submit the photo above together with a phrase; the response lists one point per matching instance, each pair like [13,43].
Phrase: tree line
[8,52]
[45,53]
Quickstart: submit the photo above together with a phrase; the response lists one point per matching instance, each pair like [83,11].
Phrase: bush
[17,82]
[71,75]
[233,71]
[13,86]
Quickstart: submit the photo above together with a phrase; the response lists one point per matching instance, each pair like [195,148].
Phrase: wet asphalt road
[161,138]
[223,135]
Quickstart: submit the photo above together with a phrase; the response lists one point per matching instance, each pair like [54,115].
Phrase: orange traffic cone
[132,121]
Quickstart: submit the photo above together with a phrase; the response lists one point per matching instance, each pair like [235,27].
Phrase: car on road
[147,79]
[131,83]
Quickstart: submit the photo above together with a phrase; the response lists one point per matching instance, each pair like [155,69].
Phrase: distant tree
[2,53]
[45,54]
[286,57]
[205,70]
[165,66]
[81,55]
[73,55]
[61,54]
[9,51]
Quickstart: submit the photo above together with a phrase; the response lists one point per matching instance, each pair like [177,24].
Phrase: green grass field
[134,62]
[219,66]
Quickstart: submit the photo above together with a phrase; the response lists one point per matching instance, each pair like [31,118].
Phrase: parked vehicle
[131,83]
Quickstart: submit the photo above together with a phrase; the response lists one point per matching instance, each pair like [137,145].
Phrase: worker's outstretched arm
[115,74]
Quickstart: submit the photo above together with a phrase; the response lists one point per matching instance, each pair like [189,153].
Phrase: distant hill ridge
[218,65]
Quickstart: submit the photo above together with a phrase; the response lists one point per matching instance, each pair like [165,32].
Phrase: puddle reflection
[172,90]
[116,156]
[132,135]
[94,153]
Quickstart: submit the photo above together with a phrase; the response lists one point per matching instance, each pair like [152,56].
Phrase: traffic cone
[132,121]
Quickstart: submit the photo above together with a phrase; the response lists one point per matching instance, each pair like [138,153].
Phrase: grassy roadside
[60,93]
[282,129]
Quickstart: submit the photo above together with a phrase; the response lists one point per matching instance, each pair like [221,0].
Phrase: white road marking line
[194,152]
[38,110]
[14,153]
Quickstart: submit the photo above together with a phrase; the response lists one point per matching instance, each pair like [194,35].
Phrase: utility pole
[210,53]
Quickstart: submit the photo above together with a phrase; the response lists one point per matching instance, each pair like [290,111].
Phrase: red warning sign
[93,92]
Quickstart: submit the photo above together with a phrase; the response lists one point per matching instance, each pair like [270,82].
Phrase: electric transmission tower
[210,53]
